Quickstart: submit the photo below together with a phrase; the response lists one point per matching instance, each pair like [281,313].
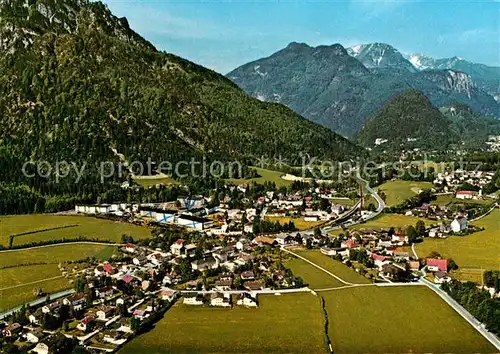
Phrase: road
[37,302]
[381,203]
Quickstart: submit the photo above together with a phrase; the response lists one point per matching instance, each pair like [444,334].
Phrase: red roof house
[435,264]
[109,268]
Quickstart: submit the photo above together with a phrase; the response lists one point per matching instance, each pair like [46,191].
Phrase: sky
[223,35]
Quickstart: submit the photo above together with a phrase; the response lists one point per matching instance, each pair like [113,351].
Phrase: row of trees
[477,301]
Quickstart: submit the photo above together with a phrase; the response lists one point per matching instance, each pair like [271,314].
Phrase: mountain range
[78,84]
[340,88]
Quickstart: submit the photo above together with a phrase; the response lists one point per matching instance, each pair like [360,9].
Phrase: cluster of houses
[451,182]
[118,297]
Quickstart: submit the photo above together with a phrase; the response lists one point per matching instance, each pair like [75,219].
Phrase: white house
[459,224]
[193,299]
[245,299]
[220,300]
[464,195]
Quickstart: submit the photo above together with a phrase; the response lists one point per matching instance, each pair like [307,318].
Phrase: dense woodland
[86,89]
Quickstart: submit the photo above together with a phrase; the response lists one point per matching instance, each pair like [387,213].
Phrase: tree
[134,324]
[452,265]
[317,232]
[420,228]
[412,234]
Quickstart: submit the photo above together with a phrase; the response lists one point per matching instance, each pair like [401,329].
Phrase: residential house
[108,268]
[12,329]
[104,292]
[177,248]
[401,256]
[464,195]
[36,316]
[220,300]
[253,285]
[86,323]
[52,307]
[204,264]
[193,299]
[414,265]
[223,284]
[247,275]
[245,299]
[140,314]
[380,260]
[459,224]
[390,271]
[168,295]
[76,301]
[243,244]
[284,239]
[104,313]
[349,244]
[130,248]
[441,277]
[436,264]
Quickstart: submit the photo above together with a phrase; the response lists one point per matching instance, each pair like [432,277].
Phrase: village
[223,256]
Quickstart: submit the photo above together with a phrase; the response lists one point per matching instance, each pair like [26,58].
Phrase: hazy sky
[222,35]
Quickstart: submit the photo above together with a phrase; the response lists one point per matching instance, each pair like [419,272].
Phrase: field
[473,275]
[398,320]
[76,226]
[300,223]
[265,175]
[312,276]
[17,281]
[385,221]
[478,250]
[148,181]
[333,266]
[447,199]
[398,191]
[291,323]
[342,201]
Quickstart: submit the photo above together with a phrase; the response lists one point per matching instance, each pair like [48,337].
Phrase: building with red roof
[108,268]
[437,265]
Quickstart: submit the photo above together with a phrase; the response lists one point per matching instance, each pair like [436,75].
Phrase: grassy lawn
[473,275]
[86,227]
[291,323]
[38,276]
[398,191]
[299,222]
[443,199]
[385,221]
[398,320]
[478,250]
[265,175]
[148,181]
[55,254]
[342,201]
[313,277]
[333,266]
[16,296]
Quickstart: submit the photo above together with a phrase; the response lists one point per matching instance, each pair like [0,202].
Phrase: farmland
[312,276]
[41,227]
[291,323]
[398,191]
[148,181]
[299,222]
[478,250]
[19,274]
[385,221]
[398,320]
[333,266]
[265,176]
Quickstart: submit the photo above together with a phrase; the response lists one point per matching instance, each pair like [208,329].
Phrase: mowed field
[17,281]
[410,319]
[398,191]
[385,221]
[345,273]
[299,222]
[265,176]
[478,250]
[291,323]
[76,226]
